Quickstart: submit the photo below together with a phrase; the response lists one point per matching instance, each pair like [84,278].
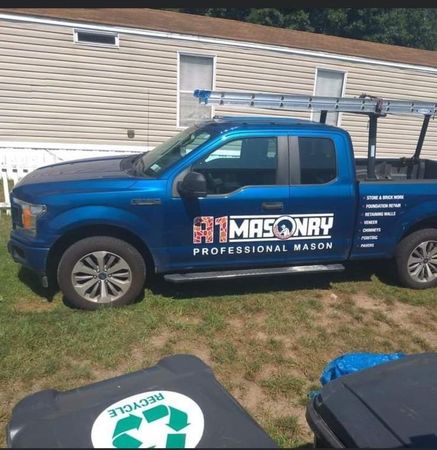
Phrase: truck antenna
[148,118]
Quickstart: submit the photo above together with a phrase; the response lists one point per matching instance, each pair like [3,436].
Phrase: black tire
[402,255]
[133,273]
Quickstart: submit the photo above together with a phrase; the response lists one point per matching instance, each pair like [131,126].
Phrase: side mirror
[193,185]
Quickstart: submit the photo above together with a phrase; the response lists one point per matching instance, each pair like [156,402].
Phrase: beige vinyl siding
[53,90]
[56,91]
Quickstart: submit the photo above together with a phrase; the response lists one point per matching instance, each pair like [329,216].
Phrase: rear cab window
[317,160]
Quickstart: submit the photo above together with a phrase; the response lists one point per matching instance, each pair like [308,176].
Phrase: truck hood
[83,169]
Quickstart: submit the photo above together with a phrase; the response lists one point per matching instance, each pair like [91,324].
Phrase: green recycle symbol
[177,422]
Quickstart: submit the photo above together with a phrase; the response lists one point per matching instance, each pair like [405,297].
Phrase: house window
[329,83]
[92,37]
[195,72]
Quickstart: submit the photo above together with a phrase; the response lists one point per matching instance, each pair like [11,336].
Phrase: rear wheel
[416,259]
[101,271]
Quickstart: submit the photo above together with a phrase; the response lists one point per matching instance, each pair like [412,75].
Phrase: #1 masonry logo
[253,228]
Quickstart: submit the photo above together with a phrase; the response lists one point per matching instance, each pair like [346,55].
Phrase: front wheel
[416,259]
[101,271]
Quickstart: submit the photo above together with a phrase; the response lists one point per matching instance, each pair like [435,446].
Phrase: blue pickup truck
[228,197]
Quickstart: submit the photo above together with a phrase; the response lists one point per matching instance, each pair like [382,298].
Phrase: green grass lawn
[267,340]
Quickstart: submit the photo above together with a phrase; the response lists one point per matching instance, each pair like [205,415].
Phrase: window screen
[195,72]
[243,162]
[317,160]
[96,37]
[329,83]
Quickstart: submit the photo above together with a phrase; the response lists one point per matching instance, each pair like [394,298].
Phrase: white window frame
[178,91]
[96,44]
[343,89]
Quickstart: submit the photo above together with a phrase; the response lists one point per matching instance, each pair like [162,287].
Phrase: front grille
[16,214]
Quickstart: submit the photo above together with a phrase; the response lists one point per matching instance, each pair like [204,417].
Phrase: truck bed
[398,169]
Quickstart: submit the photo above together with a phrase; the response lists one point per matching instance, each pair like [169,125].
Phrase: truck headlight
[29,215]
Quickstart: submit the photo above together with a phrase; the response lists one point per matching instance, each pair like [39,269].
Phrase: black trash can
[176,404]
[393,405]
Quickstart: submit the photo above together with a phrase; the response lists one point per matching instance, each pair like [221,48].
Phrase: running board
[231,274]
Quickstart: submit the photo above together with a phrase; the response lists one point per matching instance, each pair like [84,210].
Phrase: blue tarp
[354,362]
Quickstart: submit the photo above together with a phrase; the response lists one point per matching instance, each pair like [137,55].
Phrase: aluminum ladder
[373,107]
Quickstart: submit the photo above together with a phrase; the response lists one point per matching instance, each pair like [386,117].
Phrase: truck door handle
[272,205]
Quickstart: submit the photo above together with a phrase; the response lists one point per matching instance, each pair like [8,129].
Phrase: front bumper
[34,258]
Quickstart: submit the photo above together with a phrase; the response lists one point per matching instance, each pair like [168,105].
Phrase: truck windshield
[153,163]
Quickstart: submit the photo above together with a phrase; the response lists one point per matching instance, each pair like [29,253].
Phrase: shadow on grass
[33,281]
[355,271]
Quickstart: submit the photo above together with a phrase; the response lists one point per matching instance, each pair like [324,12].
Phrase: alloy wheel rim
[101,277]
[422,262]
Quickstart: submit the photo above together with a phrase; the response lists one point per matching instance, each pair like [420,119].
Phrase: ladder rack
[374,107]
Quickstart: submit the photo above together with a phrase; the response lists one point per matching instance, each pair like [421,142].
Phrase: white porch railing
[16,162]
[9,177]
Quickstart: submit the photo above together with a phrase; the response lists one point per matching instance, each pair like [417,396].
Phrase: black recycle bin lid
[392,405]
[178,403]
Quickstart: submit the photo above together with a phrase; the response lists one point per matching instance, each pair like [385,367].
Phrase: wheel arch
[421,276]
[428,222]
[84,231]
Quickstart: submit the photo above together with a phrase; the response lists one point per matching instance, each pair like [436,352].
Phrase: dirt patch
[237,322]
[401,313]
[160,340]
[406,317]
[140,357]
[16,391]
[192,320]
[368,303]
[267,371]
[326,319]
[397,317]
[249,394]
[261,336]
[258,403]
[254,320]
[137,357]
[198,349]
[33,306]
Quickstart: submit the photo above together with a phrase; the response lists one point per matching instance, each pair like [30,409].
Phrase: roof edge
[272,36]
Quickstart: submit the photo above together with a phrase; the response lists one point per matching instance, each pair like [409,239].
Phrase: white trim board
[188,37]
[63,146]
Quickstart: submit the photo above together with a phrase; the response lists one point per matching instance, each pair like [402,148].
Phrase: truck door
[322,198]
[248,188]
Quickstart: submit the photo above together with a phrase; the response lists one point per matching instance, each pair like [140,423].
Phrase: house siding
[54,91]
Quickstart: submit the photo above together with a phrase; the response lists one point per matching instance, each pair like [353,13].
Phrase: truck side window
[317,160]
[243,162]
